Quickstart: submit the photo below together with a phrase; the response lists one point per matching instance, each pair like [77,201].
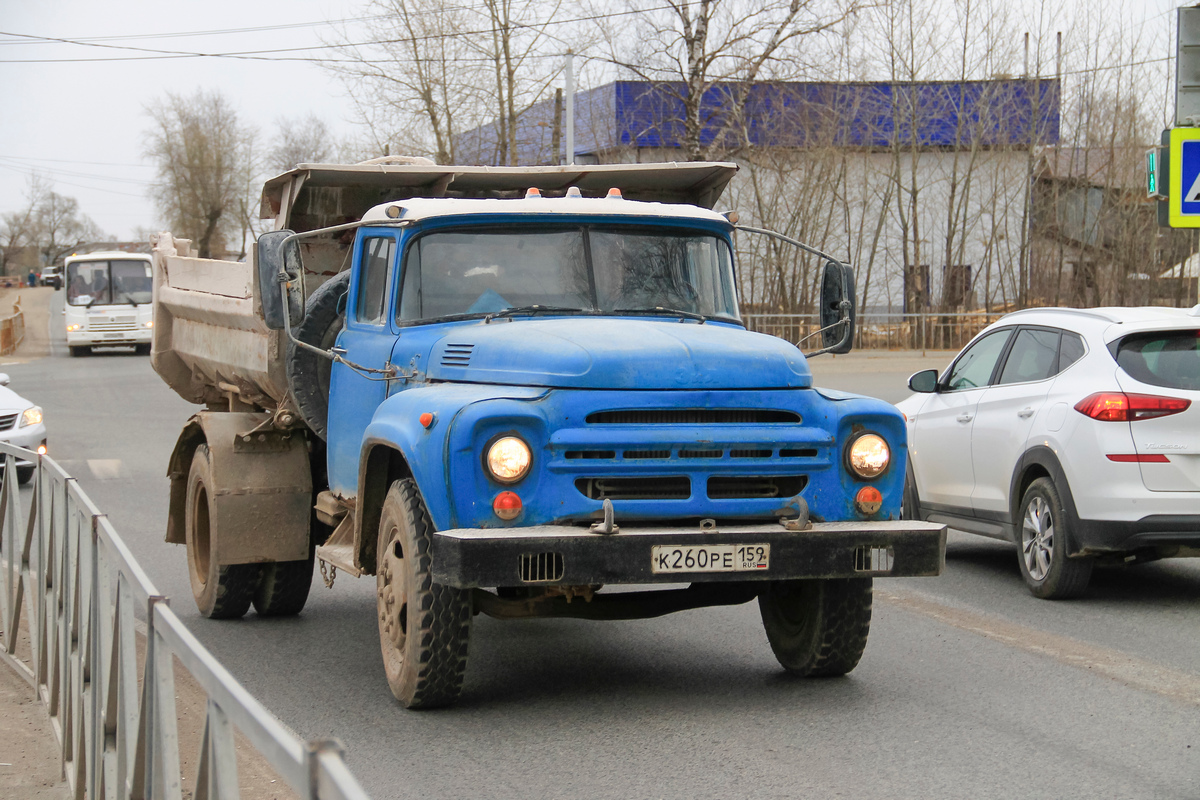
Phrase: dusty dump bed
[210,343]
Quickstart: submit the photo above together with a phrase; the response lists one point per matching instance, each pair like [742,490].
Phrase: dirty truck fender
[396,445]
[262,492]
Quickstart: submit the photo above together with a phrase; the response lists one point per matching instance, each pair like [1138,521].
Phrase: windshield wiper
[534,309]
[659,311]
[132,302]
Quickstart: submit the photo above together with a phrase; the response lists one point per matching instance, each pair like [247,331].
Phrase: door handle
[1025,412]
[965,417]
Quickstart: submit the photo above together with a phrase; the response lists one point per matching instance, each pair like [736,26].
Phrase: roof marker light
[533,192]
[574,192]
[614,194]
[395,212]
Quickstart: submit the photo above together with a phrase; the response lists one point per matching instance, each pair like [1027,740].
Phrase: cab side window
[1032,358]
[376,263]
[975,366]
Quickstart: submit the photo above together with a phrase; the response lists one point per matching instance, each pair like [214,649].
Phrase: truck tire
[308,373]
[424,627]
[220,592]
[283,588]
[817,628]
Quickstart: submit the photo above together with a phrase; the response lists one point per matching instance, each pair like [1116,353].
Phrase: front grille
[755,486]
[541,567]
[701,453]
[749,453]
[693,416]
[112,323]
[7,421]
[638,488]
[457,355]
[591,454]
[798,453]
[635,454]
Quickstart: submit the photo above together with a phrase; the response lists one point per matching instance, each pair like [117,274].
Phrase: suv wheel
[1042,553]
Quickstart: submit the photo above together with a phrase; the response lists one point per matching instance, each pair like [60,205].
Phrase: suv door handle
[965,417]
[1025,412]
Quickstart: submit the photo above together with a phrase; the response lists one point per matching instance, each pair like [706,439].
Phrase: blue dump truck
[520,392]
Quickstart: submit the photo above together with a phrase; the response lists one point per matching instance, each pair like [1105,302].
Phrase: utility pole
[570,92]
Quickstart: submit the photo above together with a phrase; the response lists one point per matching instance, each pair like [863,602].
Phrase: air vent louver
[457,355]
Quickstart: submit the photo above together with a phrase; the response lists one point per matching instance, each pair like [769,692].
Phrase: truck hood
[617,353]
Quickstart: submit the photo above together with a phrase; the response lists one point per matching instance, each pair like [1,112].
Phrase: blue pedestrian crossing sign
[1184,191]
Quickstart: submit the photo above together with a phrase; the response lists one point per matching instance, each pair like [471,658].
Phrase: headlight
[868,456]
[32,416]
[74,327]
[508,459]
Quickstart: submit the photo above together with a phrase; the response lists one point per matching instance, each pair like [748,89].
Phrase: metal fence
[12,329]
[65,567]
[950,331]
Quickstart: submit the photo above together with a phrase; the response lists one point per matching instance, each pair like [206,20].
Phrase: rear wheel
[1042,556]
[817,628]
[424,627]
[220,592]
[283,588]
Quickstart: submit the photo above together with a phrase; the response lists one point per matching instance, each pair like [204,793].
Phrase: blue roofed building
[923,186]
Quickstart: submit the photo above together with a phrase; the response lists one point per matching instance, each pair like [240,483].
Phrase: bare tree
[18,228]
[59,227]
[688,49]
[303,140]
[434,69]
[205,160]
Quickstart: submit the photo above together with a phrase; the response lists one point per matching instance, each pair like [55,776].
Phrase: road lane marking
[1134,672]
[105,469]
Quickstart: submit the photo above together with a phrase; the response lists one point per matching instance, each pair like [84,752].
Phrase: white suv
[1073,433]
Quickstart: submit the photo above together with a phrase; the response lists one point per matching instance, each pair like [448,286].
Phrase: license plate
[709,558]
[117,335]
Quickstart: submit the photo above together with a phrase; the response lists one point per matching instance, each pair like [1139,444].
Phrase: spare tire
[308,373]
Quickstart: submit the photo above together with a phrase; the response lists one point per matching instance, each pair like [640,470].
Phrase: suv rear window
[1162,358]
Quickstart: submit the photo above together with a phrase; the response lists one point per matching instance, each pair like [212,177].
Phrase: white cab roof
[420,208]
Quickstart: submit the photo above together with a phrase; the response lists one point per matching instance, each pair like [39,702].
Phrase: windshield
[122,282]
[593,269]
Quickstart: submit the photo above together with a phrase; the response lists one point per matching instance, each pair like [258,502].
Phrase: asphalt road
[969,686]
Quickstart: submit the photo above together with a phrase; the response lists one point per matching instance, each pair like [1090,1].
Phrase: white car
[21,424]
[1074,433]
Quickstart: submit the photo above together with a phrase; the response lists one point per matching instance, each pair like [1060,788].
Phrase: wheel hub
[393,595]
[1037,538]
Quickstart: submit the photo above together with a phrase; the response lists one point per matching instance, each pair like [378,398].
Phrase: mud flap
[262,492]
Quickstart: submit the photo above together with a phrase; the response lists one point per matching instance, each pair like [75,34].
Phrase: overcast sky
[81,123]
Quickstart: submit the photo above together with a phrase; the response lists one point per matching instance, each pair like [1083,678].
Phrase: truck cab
[526,405]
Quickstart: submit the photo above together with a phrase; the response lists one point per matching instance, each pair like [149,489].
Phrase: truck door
[368,338]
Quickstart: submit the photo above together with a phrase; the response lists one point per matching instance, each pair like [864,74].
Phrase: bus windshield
[125,282]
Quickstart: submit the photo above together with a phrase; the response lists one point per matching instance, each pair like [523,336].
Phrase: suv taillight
[1121,407]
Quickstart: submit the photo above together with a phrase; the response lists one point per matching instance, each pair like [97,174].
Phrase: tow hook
[608,526]
[800,522]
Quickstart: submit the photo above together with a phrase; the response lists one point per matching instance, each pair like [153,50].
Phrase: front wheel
[1047,570]
[817,628]
[424,627]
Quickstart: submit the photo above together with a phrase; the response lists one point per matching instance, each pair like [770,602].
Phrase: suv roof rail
[1092,313]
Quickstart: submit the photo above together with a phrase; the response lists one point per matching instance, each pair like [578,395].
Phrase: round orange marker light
[507,505]
[41,449]
[614,193]
[868,500]
[426,420]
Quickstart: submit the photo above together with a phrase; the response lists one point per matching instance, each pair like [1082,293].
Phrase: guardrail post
[313,750]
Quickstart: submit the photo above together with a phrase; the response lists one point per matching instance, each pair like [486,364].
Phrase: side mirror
[275,258]
[4,379]
[837,305]
[924,382]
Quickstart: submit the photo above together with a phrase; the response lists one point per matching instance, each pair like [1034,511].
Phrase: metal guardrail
[80,588]
[948,331]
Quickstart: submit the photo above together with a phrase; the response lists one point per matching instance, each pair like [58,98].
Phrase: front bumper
[110,338]
[571,556]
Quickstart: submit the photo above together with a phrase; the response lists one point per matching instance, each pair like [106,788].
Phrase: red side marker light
[533,192]
[1139,458]
[426,420]
[868,500]
[507,505]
